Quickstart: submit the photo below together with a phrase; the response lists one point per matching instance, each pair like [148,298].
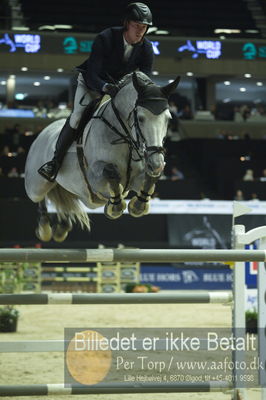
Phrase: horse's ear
[171,87]
[137,83]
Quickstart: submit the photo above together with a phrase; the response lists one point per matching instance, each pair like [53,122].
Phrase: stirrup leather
[49,170]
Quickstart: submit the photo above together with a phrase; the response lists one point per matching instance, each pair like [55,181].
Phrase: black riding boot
[66,137]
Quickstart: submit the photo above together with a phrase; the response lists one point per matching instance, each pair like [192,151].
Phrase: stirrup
[49,170]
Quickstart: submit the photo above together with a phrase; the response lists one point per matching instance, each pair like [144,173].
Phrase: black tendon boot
[66,137]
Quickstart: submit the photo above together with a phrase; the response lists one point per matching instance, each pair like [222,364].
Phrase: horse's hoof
[106,213]
[137,208]
[112,211]
[44,232]
[60,232]
[60,238]
[37,234]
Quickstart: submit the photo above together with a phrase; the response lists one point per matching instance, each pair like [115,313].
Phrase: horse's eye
[141,119]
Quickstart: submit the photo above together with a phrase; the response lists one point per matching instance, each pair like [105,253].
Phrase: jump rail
[117,298]
[61,389]
[238,255]
[127,255]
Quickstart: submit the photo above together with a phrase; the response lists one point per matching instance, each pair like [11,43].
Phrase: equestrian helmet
[138,12]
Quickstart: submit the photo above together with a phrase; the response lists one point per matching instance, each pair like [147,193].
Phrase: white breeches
[83,96]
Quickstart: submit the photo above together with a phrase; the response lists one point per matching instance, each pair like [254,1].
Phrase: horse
[122,151]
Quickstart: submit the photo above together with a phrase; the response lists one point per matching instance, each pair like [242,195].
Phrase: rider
[116,52]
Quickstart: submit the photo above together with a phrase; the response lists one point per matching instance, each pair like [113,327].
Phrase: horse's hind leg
[116,204]
[46,230]
[139,205]
[43,230]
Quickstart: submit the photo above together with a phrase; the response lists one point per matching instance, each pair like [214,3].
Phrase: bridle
[138,145]
[148,150]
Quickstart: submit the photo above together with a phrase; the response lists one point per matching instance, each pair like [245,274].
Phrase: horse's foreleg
[43,230]
[139,205]
[116,204]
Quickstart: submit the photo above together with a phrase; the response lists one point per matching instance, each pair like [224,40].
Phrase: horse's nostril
[156,169]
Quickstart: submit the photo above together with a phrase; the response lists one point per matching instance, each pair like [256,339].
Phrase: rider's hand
[111,89]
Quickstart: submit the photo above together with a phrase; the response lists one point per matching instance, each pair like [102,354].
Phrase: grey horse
[122,151]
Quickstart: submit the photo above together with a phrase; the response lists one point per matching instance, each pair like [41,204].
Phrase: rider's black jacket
[106,63]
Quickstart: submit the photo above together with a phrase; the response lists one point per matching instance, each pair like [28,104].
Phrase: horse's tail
[68,206]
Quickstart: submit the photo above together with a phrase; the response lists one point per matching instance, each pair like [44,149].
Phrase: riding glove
[111,89]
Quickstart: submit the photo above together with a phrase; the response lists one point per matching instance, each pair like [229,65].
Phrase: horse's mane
[127,79]
[149,95]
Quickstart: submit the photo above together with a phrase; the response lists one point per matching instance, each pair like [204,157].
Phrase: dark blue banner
[169,277]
